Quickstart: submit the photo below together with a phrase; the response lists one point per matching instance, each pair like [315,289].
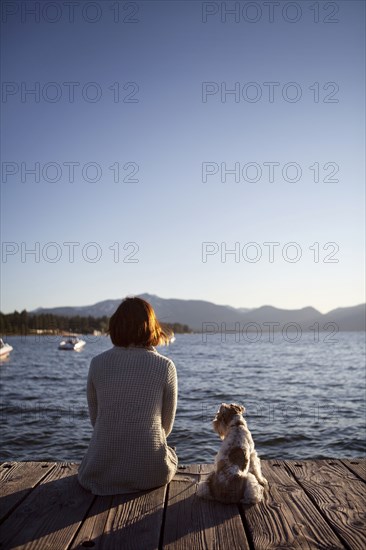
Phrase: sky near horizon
[194,150]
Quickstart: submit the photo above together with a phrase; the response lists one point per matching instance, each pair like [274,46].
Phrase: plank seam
[81,523]
[338,535]
[352,471]
[247,530]
[29,491]
[161,535]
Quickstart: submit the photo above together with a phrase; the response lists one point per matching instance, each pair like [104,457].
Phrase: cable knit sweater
[132,399]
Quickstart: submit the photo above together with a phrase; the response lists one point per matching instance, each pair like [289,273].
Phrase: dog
[237,476]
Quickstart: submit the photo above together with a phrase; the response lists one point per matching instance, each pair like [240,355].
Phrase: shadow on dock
[308,506]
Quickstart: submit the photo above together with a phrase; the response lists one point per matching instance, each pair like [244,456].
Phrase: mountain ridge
[198,313]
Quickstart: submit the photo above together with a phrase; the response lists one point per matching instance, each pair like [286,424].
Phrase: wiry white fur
[237,476]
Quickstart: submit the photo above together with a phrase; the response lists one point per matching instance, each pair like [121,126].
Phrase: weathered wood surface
[316,504]
[52,513]
[123,521]
[17,480]
[358,467]
[338,494]
[193,523]
[288,518]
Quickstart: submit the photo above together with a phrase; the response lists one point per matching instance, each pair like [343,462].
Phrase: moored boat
[73,344]
[5,349]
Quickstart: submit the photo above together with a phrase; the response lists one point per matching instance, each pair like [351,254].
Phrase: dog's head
[224,417]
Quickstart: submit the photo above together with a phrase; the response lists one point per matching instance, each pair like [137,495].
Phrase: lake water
[304,399]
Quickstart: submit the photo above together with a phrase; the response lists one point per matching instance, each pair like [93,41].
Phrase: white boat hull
[71,346]
[5,350]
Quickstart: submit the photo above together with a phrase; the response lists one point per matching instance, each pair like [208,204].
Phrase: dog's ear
[237,408]
[226,413]
[222,413]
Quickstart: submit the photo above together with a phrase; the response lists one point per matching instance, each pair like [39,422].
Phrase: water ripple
[303,400]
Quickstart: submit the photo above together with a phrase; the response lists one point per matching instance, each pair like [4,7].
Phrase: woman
[132,399]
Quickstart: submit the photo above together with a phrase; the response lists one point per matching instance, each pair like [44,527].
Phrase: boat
[73,344]
[5,349]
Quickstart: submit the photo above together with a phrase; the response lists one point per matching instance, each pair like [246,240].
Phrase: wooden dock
[310,504]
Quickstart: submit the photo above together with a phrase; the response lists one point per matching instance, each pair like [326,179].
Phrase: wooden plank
[287,518]
[357,466]
[92,528]
[191,522]
[206,468]
[192,469]
[123,521]
[17,479]
[338,494]
[50,515]
[308,502]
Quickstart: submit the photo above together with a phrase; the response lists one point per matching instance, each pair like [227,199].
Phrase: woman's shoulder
[103,355]
[98,360]
[163,357]
[123,353]
[118,359]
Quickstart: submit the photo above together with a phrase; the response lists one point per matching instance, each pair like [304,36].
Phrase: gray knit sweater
[132,399]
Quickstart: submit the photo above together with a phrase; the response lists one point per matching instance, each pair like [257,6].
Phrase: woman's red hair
[135,323]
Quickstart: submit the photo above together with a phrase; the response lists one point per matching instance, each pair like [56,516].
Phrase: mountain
[203,315]
[349,318]
[101,309]
[190,312]
[267,314]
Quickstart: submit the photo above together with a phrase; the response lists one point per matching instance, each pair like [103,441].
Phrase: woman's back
[132,396]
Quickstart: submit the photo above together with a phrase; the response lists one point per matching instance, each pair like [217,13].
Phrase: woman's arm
[92,398]
[170,399]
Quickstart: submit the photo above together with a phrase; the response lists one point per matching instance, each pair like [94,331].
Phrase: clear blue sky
[176,130]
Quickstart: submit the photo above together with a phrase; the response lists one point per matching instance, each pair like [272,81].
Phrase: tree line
[24,323]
